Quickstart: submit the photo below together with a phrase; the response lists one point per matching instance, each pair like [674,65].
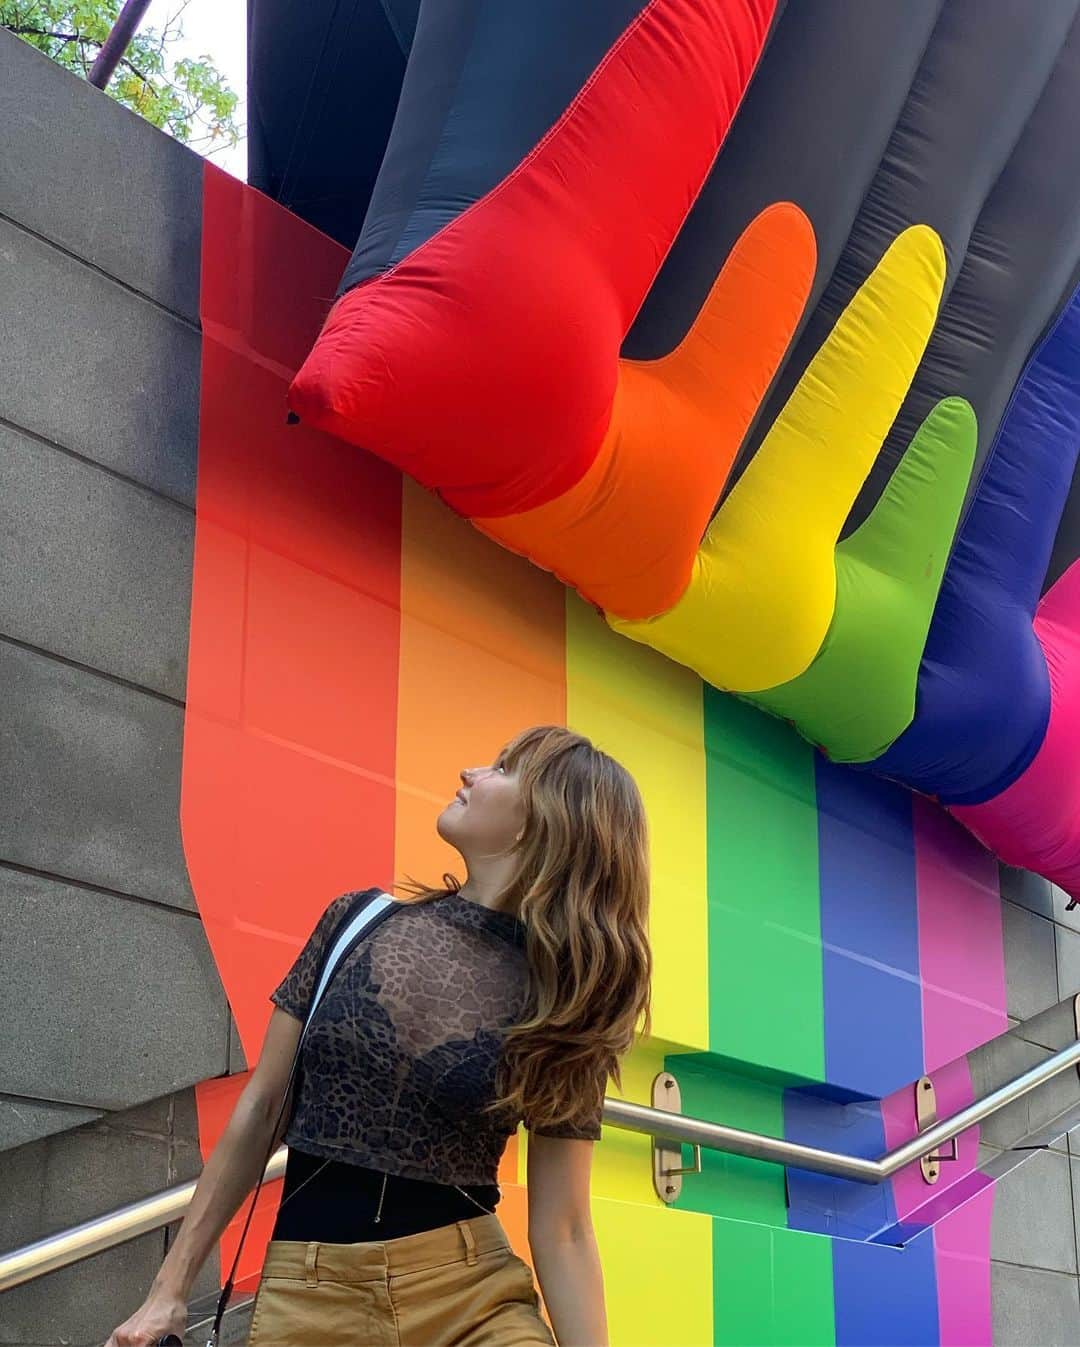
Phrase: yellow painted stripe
[647,713]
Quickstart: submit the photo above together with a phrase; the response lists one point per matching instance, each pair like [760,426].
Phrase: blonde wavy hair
[581,886]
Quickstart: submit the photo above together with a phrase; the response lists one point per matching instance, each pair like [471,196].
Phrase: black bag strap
[361,916]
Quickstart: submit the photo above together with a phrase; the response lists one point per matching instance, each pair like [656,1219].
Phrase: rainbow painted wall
[821,939]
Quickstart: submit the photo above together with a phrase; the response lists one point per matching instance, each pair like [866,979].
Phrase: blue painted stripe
[870,933]
[885,1296]
[873,1046]
[826,1205]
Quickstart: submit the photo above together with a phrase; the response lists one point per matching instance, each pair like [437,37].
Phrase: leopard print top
[402,1050]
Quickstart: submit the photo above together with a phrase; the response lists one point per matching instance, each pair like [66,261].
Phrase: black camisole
[337,1204]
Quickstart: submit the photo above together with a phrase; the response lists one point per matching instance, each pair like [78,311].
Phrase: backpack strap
[361,916]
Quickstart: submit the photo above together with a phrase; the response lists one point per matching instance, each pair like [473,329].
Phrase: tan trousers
[460,1285]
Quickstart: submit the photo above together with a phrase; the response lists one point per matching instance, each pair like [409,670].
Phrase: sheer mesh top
[402,1050]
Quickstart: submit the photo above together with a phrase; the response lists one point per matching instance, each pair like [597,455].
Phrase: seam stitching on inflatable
[534,153]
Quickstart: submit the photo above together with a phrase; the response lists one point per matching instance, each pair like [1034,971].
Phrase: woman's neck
[487,895]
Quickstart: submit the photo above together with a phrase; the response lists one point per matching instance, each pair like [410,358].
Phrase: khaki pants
[460,1285]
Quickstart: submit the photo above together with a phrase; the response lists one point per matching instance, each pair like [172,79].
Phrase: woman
[511,997]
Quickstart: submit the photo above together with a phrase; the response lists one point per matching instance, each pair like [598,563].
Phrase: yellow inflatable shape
[763,588]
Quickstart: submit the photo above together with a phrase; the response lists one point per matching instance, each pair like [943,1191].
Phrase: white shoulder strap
[360,921]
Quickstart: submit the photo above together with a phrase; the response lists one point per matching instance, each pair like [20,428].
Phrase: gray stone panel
[1030,966]
[186,1163]
[79,1306]
[1032,1308]
[986,1154]
[155,1116]
[95,368]
[114,1165]
[95,569]
[1055,1028]
[184,1117]
[1033,1214]
[1026,890]
[142,1011]
[1068,962]
[90,780]
[1074,1170]
[56,1183]
[1060,901]
[237,1058]
[119,193]
[1003,1060]
[23,1120]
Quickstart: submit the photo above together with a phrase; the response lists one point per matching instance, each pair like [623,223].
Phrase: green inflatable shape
[858,696]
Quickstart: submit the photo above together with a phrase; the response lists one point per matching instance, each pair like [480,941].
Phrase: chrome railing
[698,1132]
[150,1213]
[104,1232]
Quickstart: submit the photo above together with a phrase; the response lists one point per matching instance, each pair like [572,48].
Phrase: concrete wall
[1035,1246]
[109,996]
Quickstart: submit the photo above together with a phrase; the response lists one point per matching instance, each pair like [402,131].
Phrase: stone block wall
[110,1003]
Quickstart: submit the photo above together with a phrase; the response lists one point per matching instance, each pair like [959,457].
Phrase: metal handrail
[755,1146]
[104,1232]
[150,1213]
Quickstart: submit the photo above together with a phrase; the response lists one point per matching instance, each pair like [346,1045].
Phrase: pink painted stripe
[962,967]
[952,1086]
[962,1255]
[961,951]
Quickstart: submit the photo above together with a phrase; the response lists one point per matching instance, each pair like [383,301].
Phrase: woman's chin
[444,824]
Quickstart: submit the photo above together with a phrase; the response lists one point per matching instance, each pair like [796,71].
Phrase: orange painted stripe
[483,655]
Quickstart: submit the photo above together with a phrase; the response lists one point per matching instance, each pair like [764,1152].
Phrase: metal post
[114,46]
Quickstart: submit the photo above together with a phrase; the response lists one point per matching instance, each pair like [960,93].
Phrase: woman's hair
[581,887]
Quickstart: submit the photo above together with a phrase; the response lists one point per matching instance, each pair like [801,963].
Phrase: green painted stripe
[771,1285]
[771,1288]
[729,1185]
[765,969]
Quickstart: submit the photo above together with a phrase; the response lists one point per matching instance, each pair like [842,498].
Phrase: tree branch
[21,29]
[138,73]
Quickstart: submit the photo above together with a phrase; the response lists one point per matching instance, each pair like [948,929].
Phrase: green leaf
[189,99]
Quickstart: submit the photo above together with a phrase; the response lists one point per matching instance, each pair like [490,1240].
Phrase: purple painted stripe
[962,964]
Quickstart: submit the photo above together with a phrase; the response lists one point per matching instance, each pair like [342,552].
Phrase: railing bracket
[668,1168]
[926,1117]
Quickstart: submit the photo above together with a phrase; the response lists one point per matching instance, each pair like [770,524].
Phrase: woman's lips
[460,798]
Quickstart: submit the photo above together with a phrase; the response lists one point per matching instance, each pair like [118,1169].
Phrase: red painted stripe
[288,793]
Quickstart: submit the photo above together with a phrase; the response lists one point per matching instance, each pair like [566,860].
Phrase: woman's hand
[159,1314]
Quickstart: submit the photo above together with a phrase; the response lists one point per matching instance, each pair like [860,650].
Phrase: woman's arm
[561,1240]
[232,1170]
[228,1176]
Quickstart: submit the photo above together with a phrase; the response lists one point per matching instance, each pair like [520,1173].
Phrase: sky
[218,29]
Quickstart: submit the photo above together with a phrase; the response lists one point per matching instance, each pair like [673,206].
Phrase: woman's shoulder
[355,895]
[339,907]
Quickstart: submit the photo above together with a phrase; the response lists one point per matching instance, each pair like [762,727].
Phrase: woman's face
[487,815]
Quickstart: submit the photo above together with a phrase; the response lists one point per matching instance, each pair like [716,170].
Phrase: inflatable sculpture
[760,329]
